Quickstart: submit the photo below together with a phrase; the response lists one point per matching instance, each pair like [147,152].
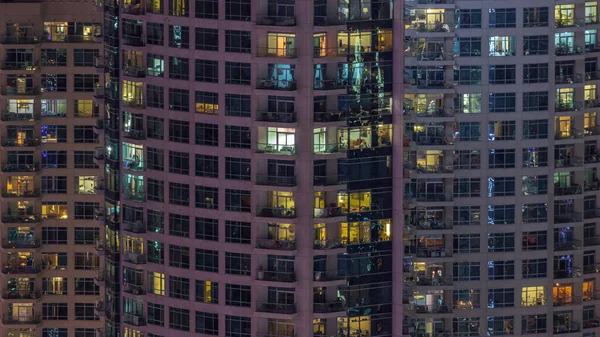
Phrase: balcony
[289,53]
[567,245]
[274,20]
[134,40]
[135,258]
[568,218]
[565,106]
[276,149]
[98,93]
[9,39]
[432,113]
[12,142]
[326,116]
[276,212]
[282,85]
[99,332]
[99,245]
[566,301]
[20,243]
[429,169]
[134,289]
[568,162]
[276,308]
[276,117]
[275,244]
[132,9]
[591,323]
[329,52]
[569,79]
[591,186]
[324,308]
[99,307]
[591,213]
[329,180]
[432,281]
[591,268]
[21,194]
[571,327]
[275,276]
[433,252]
[434,197]
[439,84]
[14,91]
[591,295]
[133,226]
[13,319]
[99,275]
[135,103]
[134,196]
[137,72]
[328,85]
[569,22]
[591,241]
[571,134]
[12,65]
[99,153]
[568,273]
[329,244]
[426,225]
[134,134]
[269,180]
[20,270]
[7,217]
[433,309]
[136,319]
[20,295]
[568,50]
[18,116]
[567,190]
[438,27]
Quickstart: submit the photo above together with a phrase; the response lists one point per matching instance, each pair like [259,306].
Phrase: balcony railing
[329,212]
[335,306]
[430,225]
[434,197]
[17,91]
[591,213]
[136,319]
[136,196]
[437,27]
[21,194]
[134,226]
[136,9]
[20,294]
[12,142]
[134,134]
[566,301]
[269,180]
[329,180]
[567,190]
[8,39]
[563,106]
[284,85]
[11,319]
[18,270]
[276,52]
[569,22]
[433,281]
[276,212]
[568,79]
[137,72]
[327,116]
[329,244]
[276,149]
[433,309]
[276,308]
[276,117]
[567,328]
[134,40]
[20,243]
[434,252]
[327,85]
[591,323]
[17,116]
[276,276]
[329,52]
[274,20]
[275,244]
[135,258]
[11,65]
[591,241]
[573,272]
[568,162]
[567,218]
[8,217]
[591,268]
[135,289]
[568,50]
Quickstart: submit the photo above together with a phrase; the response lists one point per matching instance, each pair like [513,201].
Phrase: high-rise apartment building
[50,184]
[248,154]
[501,168]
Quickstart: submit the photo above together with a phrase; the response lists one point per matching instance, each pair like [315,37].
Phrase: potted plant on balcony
[260,274]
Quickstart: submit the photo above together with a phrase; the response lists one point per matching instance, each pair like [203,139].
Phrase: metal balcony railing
[276,308]
[275,244]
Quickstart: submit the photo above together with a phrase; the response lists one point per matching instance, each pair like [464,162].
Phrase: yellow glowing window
[156,282]
[281,44]
[533,296]
[207,108]
[132,333]
[590,92]
[133,245]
